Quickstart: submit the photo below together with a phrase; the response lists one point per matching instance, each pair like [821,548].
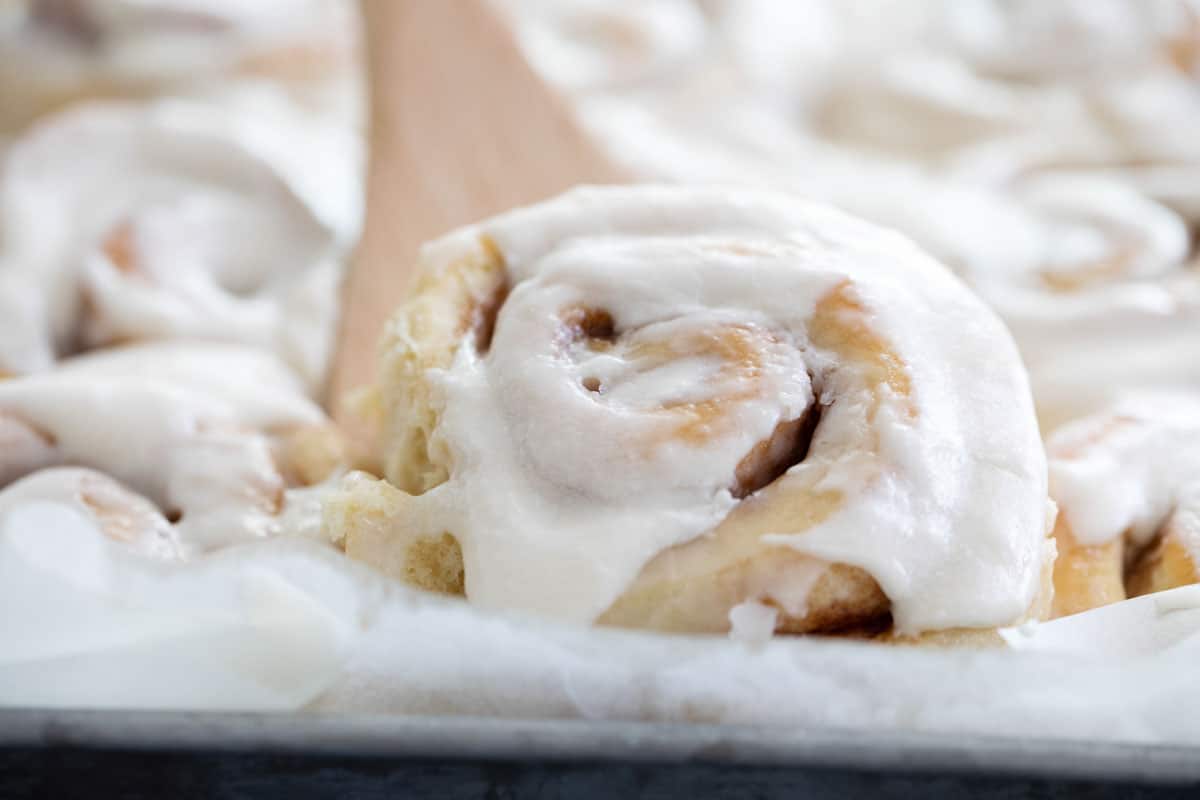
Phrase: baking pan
[183,755]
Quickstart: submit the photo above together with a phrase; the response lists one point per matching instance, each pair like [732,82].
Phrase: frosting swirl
[183,224]
[1090,276]
[215,436]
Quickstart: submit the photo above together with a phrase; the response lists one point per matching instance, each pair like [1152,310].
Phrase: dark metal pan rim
[454,738]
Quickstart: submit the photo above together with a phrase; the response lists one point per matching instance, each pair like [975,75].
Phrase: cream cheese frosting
[572,467]
[1090,276]
[188,219]
[186,425]
[121,515]
[1126,471]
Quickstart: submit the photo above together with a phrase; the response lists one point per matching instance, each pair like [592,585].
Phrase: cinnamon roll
[57,52]
[218,440]
[988,89]
[1092,278]
[1127,482]
[121,515]
[648,407]
[178,219]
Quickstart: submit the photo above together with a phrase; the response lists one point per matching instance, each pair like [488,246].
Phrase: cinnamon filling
[1182,51]
[841,323]
[1164,564]
[737,348]
[484,286]
[1081,276]
[769,459]
[483,317]
[594,326]
[120,248]
[122,515]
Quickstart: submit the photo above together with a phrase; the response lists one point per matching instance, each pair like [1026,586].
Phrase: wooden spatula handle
[461,128]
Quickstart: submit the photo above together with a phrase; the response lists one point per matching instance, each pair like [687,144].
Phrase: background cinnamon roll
[198,445]
[122,515]
[1127,481]
[1092,278]
[649,406]
[223,219]
[57,52]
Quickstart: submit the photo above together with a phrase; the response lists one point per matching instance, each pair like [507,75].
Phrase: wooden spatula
[461,128]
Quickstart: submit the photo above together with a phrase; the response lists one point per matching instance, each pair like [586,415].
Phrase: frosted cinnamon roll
[1127,482]
[57,52]
[121,515]
[649,407]
[220,439]
[182,219]
[1109,283]
[1093,279]
[991,90]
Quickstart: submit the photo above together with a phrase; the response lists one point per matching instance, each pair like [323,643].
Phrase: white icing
[205,228]
[559,495]
[178,423]
[1085,351]
[1135,310]
[1130,469]
[120,514]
